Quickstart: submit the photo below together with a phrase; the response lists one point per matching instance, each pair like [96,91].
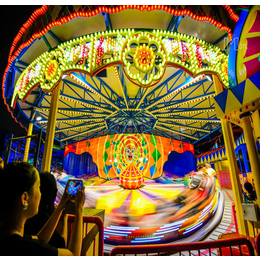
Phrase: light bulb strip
[187,112]
[184,103]
[106,124]
[74,54]
[78,127]
[195,120]
[74,112]
[144,95]
[72,120]
[92,90]
[112,114]
[88,131]
[131,109]
[176,91]
[121,87]
[166,129]
[150,113]
[189,128]
[85,104]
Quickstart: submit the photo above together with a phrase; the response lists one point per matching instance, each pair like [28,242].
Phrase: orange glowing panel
[113,154]
[131,178]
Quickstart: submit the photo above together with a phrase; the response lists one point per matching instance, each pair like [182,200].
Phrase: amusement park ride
[127,88]
[151,75]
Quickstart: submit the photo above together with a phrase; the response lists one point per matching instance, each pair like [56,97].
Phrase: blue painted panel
[221,99]
[79,165]
[238,91]
[256,79]
[180,163]
[233,49]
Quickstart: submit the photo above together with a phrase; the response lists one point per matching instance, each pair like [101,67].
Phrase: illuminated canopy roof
[123,70]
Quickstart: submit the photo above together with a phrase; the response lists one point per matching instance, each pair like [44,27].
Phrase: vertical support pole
[8,149]
[218,173]
[233,169]
[256,124]
[216,166]
[252,153]
[28,142]
[38,146]
[49,138]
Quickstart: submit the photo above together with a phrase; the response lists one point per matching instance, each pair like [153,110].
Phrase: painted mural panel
[114,153]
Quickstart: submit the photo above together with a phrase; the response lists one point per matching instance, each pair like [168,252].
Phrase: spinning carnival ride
[115,75]
[151,213]
[141,204]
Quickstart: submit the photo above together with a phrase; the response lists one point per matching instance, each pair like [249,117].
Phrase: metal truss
[179,107]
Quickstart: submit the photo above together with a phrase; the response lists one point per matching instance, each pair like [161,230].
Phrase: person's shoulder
[9,243]
[16,245]
[40,247]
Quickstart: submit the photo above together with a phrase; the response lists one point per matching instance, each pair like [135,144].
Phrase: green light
[81,54]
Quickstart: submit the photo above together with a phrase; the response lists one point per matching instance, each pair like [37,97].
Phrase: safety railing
[235,217]
[90,234]
[224,179]
[230,247]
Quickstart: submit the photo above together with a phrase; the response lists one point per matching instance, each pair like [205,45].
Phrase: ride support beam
[252,152]
[234,175]
[232,163]
[49,138]
[217,166]
[28,142]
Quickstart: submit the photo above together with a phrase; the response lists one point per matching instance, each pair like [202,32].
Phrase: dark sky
[12,18]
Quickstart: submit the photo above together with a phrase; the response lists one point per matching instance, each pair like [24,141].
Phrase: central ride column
[49,138]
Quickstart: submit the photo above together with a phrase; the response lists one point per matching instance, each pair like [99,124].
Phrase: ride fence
[235,217]
[93,235]
[227,247]
[224,179]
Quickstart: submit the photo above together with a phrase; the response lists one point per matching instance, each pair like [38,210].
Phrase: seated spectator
[197,178]
[250,193]
[46,208]
[21,193]
[195,185]
[209,170]
[60,173]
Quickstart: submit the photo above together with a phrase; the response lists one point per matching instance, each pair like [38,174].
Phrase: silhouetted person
[20,193]
[250,192]
[33,225]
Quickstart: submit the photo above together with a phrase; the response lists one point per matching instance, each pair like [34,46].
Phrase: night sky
[12,18]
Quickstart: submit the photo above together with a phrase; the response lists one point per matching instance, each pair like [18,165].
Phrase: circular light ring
[144,56]
[51,71]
